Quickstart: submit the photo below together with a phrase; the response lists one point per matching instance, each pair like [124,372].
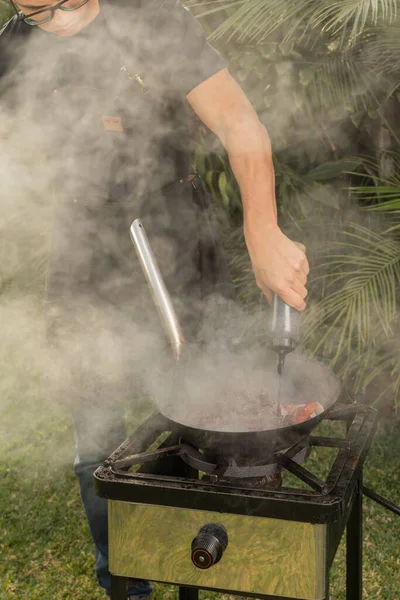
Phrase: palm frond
[382,49]
[255,20]
[341,79]
[384,194]
[360,294]
[355,15]
[390,194]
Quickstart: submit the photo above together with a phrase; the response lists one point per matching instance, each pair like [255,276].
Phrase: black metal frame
[327,502]
[353,564]
[118,592]
[50,9]
[354,547]
[336,502]
[381,500]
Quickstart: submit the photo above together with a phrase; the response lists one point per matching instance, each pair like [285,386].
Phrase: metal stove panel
[264,556]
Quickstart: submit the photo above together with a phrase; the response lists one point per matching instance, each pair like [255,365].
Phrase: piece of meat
[308,411]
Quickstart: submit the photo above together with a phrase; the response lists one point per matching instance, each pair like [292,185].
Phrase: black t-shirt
[84,109]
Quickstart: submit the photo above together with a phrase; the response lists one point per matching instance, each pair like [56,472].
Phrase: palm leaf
[354,15]
[381,48]
[385,193]
[360,293]
[341,80]
[255,20]
[391,194]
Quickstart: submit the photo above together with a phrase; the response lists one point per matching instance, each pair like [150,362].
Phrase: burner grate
[225,471]
[176,474]
[290,460]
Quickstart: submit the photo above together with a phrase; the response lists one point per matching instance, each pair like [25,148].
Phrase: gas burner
[187,511]
[222,471]
[225,471]
[228,472]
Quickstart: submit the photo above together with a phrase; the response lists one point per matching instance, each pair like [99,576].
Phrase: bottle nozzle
[281,363]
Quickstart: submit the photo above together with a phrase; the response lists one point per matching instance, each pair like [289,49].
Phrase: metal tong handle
[160,293]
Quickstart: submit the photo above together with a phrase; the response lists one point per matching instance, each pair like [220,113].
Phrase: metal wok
[240,422]
[241,425]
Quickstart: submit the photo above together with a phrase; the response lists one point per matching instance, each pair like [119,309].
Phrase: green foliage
[361,275]
[5,11]
[324,78]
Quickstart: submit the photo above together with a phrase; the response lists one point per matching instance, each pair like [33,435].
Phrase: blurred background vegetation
[324,79]
[5,11]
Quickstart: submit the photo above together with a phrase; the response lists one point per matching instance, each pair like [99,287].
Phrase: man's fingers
[293,294]
[301,266]
[302,277]
[294,299]
[305,267]
[300,246]
[299,262]
[300,289]
[300,258]
[285,274]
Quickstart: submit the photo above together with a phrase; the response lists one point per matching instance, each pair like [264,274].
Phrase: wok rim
[281,429]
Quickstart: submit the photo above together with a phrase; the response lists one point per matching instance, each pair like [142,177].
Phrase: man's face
[63,23]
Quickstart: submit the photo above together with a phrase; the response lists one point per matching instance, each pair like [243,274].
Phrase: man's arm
[278,264]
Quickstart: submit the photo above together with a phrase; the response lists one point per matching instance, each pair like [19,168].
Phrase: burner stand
[168,485]
[354,535]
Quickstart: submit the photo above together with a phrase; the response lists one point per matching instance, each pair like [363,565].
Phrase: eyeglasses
[44,15]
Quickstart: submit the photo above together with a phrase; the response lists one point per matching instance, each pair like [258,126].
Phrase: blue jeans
[98,432]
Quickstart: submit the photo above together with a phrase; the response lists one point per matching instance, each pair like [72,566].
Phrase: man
[105,86]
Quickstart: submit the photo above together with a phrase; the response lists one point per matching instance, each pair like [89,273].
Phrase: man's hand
[279,265]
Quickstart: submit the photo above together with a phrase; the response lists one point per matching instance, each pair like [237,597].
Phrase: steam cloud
[110,346]
[98,345]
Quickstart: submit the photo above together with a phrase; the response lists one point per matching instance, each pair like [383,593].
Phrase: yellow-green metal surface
[264,556]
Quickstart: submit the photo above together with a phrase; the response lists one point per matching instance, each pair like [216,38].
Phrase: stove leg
[118,588]
[354,548]
[186,593]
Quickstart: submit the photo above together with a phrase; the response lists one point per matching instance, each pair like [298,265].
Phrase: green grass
[45,546]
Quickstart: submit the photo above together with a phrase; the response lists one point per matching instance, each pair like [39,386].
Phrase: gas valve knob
[209,545]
